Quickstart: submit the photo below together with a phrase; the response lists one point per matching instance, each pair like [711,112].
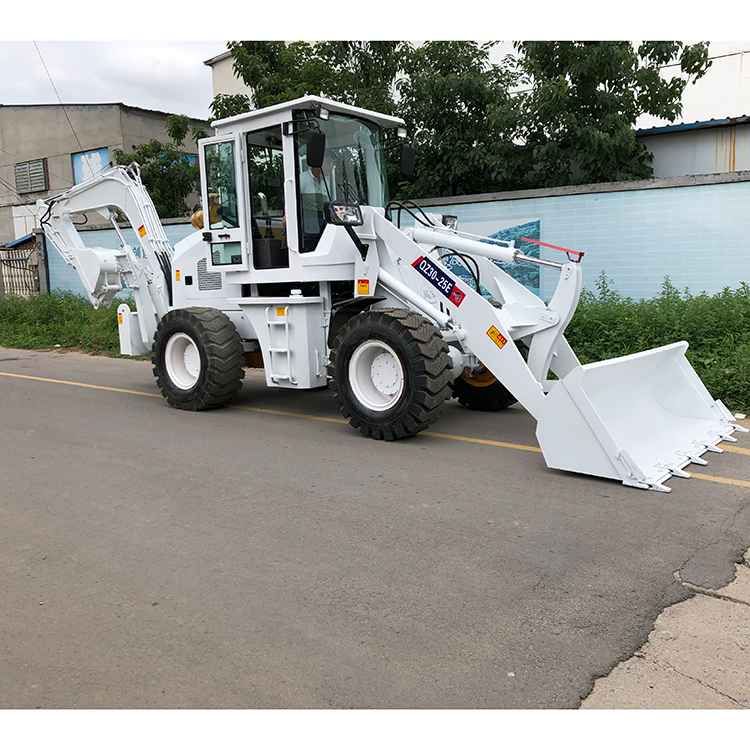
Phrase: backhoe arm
[105,272]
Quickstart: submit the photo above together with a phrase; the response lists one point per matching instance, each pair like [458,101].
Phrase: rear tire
[198,358]
[390,373]
[482,392]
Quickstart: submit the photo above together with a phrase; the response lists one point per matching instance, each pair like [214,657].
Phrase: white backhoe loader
[299,267]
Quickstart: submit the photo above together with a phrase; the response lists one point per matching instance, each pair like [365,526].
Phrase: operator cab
[268,175]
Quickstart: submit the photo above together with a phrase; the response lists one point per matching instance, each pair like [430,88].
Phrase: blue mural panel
[696,235]
[89,164]
[525,273]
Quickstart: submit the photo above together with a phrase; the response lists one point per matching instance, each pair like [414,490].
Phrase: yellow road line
[735,449]
[708,478]
[289,414]
[80,385]
[514,446]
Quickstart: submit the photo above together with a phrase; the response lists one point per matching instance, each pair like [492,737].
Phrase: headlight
[343,214]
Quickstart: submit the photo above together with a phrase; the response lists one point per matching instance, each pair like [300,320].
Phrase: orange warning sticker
[142,230]
[497,337]
[363,286]
[177,275]
[281,312]
[119,318]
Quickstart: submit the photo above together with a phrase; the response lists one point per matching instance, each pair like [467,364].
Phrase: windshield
[353,172]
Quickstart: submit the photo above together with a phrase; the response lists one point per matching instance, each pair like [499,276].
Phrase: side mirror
[406,160]
[316,148]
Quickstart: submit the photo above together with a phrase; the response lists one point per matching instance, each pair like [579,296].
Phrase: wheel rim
[376,375]
[183,361]
[481,379]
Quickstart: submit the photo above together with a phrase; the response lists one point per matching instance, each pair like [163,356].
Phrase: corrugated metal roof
[727,121]
[20,240]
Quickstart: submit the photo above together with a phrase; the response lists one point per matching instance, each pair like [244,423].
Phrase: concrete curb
[697,655]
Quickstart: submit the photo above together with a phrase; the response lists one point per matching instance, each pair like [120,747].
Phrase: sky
[166,72]
[164,76]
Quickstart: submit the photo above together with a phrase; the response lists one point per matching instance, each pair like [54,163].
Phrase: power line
[58,97]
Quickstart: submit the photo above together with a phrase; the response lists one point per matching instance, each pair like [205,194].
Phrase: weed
[605,325]
[58,319]
[717,329]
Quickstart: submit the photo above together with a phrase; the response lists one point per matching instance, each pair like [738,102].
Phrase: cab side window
[267,209]
[223,210]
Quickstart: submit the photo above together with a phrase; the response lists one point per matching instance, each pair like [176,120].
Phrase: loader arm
[639,418]
[105,272]
[483,329]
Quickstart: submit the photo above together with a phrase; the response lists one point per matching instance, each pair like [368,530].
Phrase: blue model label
[439,279]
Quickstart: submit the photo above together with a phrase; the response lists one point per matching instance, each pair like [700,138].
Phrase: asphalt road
[267,556]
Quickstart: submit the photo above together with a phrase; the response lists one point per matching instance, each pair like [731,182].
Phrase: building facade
[47,148]
[222,75]
[710,147]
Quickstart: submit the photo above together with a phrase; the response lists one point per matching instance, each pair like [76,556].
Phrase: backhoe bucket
[639,418]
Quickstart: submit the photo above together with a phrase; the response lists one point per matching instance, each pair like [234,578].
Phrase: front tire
[198,358]
[390,373]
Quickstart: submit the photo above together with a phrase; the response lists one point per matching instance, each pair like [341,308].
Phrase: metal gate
[19,268]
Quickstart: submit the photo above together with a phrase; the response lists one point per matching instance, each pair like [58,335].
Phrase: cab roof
[309,102]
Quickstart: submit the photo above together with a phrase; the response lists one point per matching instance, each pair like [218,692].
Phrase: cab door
[224,203]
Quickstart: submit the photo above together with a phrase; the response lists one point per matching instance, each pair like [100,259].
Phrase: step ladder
[280,352]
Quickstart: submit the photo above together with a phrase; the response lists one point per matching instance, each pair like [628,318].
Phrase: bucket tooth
[724,436]
[693,458]
[708,446]
[659,487]
[674,471]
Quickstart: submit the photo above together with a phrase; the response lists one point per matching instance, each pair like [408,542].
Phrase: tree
[359,73]
[444,90]
[228,105]
[462,119]
[166,170]
[584,100]
[474,127]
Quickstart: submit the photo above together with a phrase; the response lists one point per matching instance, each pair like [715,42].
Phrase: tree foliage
[578,117]
[166,170]
[228,105]
[359,73]
[552,114]
[457,107]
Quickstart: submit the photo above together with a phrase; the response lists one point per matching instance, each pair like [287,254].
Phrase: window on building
[31,176]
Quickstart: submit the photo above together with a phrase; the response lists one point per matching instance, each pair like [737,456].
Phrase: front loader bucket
[639,418]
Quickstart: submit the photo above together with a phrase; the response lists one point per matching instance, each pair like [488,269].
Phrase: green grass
[58,319]
[717,329]
[605,325]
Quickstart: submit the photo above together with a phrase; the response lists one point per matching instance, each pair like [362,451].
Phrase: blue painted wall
[63,277]
[698,235]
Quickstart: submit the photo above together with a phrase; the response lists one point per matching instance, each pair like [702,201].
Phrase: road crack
[709,592]
[666,666]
